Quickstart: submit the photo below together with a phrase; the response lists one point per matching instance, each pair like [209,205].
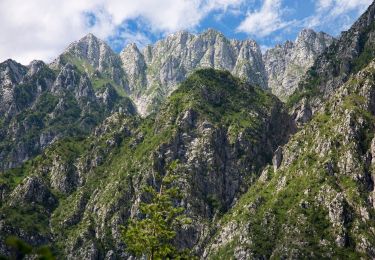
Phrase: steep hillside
[317,200]
[215,132]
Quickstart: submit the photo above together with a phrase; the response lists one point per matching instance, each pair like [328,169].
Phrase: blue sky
[331,17]
[41,29]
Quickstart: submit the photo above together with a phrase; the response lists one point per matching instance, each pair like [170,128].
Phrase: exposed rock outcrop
[155,73]
[286,64]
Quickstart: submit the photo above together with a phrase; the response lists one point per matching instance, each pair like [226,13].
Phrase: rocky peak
[345,57]
[211,34]
[306,33]
[94,57]
[134,65]
[286,64]
[35,66]
[93,50]
[11,72]
[130,54]
[180,37]
[133,47]
[311,44]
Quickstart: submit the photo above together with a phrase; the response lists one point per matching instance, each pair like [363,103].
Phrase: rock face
[94,57]
[319,202]
[155,73]
[286,64]
[33,190]
[11,73]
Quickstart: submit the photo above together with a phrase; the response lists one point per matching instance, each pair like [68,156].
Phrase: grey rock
[303,113]
[277,158]
[95,53]
[33,190]
[156,72]
[11,73]
[286,64]
[341,60]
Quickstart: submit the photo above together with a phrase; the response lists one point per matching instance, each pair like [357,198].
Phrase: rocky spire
[286,64]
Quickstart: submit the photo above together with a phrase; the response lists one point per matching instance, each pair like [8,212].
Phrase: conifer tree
[152,235]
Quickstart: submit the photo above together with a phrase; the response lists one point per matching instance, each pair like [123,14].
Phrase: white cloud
[338,7]
[336,13]
[265,21]
[123,36]
[324,4]
[41,29]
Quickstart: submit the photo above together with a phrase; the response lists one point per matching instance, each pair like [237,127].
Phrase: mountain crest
[92,49]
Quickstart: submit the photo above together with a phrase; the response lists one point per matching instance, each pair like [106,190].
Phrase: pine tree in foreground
[152,236]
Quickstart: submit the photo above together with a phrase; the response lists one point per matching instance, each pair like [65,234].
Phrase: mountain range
[273,153]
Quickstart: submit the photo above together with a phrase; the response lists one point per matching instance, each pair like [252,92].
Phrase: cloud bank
[273,16]
[43,28]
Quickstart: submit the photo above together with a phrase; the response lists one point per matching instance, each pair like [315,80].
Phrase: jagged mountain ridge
[150,75]
[169,61]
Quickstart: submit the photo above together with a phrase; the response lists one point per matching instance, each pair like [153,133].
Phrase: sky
[42,29]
